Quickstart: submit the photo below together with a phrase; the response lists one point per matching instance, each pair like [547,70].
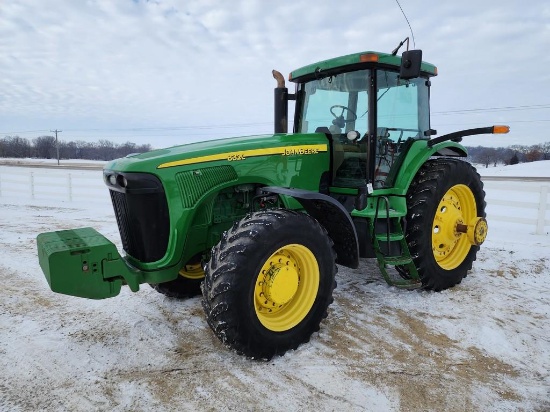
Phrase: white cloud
[123,64]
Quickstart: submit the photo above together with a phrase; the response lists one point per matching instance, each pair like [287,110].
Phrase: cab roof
[355,61]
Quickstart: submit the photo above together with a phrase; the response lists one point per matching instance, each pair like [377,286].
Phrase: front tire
[269,282]
[186,285]
[445,221]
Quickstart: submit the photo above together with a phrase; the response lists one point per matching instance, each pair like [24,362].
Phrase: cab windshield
[339,104]
[333,103]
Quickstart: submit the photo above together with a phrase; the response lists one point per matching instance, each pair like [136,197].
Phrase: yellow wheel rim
[286,287]
[192,271]
[450,242]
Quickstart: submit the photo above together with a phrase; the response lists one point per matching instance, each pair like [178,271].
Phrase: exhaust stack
[281,104]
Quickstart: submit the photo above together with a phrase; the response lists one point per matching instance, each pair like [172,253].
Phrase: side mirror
[410,64]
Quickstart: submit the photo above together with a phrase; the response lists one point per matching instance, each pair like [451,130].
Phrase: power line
[496,109]
[480,123]
[259,124]
[26,131]
[152,129]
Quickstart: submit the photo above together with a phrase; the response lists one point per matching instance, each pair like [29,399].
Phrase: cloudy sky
[167,72]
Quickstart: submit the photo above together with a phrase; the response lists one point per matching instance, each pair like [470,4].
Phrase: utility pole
[56,143]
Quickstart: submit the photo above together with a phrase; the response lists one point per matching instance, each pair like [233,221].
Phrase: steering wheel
[339,119]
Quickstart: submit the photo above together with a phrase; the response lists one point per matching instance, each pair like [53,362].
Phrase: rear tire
[269,282]
[443,192]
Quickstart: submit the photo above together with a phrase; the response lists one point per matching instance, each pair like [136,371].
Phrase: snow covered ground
[539,169]
[483,345]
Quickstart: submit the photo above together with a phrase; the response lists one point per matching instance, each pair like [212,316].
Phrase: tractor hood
[224,150]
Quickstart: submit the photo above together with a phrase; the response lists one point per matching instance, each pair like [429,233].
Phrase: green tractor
[258,224]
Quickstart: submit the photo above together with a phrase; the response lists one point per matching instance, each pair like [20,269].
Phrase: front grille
[142,216]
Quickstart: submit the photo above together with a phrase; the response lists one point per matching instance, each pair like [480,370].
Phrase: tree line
[508,155]
[44,147]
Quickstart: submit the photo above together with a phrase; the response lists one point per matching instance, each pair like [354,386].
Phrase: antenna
[412,34]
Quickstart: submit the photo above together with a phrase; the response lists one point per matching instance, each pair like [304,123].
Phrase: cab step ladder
[390,246]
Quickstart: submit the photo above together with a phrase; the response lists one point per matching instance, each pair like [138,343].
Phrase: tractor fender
[332,216]
[417,155]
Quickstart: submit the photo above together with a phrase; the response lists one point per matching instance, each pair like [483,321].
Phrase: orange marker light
[501,129]
[368,58]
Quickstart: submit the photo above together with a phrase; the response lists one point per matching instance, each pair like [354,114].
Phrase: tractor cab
[370,110]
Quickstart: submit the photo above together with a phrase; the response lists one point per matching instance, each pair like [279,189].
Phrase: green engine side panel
[193,184]
[193,175]
[72,261]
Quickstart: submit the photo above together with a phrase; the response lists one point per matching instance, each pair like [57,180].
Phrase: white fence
[525,203]
[53,184]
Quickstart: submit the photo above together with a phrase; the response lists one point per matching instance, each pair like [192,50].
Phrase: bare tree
[44,147]
[126,148]
[15,146]
[533,154]
[106,150]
